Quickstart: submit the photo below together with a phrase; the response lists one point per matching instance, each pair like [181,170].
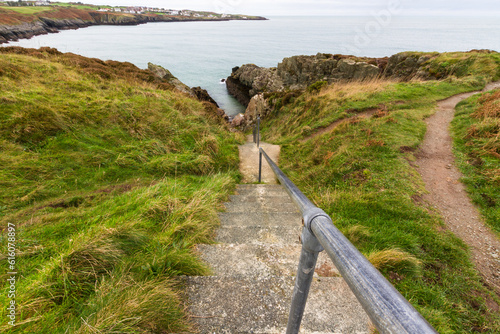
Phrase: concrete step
[261,206]
[261,190]
[259,199]
[259,260]
[266,219]
[261,305]
[259,234]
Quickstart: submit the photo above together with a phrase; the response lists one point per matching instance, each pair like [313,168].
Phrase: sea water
[203,53]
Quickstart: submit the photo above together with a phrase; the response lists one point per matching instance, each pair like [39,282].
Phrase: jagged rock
[238,90]
[300,71]
[238,121]
[165,74]
[258,106]
[249,80]
[365,71]
[405,66]
[202,95]
[64,24]
[296,72]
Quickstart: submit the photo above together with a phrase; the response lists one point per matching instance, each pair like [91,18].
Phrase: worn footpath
[447,194]
[254,264]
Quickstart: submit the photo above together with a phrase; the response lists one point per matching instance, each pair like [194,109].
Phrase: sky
[321,7]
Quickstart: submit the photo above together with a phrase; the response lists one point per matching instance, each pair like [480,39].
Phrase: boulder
[403,66]
[202,95]
[258,106]
[165,74]
[249,80]
[300,71]
[238,121]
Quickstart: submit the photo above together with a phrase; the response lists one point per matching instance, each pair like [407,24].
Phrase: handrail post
[305,273]
[258,131]
[260,167]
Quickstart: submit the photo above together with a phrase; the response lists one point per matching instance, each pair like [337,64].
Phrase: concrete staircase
[254,264]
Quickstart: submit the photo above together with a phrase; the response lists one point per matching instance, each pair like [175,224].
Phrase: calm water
[201,53]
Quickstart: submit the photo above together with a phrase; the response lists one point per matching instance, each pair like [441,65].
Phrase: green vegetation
[480,64]
[361,174]
[78,6]
[111,178]
[476,130]
[29,10]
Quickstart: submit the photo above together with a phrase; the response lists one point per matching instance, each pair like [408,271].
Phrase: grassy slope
[19,15]
[361,173]
[111,178]
[476,131]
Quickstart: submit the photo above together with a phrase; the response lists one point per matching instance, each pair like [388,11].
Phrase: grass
[78,6]
[29,10]
[476,130]
[111,177]
[361,173]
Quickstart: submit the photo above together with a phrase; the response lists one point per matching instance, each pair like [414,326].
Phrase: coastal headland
[113,178]
[18,22]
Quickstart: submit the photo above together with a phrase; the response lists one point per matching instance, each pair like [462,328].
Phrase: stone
[202,95]
[165,74]
[238,120]
[249,80]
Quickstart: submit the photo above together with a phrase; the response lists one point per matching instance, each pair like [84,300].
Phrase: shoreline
[76,19]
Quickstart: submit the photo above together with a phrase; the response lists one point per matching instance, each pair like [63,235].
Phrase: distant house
[42,3]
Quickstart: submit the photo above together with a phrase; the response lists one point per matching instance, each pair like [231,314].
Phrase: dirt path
[334,125]
[436,165]
[249,161]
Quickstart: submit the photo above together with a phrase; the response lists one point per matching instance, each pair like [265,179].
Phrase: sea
[204,53]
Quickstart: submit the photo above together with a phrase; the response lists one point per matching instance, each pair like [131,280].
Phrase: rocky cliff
[15,26]
[299,72]
[250,84]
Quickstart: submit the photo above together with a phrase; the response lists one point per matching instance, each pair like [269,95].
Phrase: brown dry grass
[490,106]
[109,69]
[353,89]
[10,17]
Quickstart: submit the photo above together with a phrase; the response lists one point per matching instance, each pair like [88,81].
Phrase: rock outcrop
[298,72]
[406,66]
[258,106]
[165,74]
[202,95]
[254,86]
[250,79]
[24,30]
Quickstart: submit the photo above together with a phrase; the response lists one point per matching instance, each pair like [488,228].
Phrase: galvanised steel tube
[305,274]
[297,196]
[389,311]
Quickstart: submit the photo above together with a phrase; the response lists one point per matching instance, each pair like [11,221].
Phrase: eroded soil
[447,194]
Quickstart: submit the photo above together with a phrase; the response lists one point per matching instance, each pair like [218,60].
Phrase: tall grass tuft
[397,261]
[111,178]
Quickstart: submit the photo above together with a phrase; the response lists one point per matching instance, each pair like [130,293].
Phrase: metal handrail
[389,311]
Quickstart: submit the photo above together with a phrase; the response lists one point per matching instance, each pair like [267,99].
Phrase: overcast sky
[320,7]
